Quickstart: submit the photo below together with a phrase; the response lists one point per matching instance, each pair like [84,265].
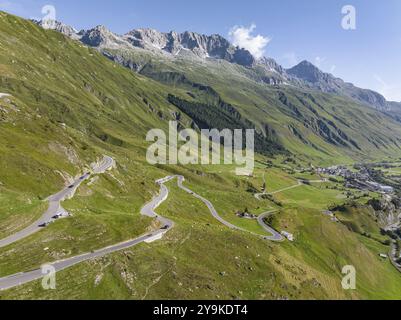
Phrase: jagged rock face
[272,65]
[387,210]
[57,26]
[371,97]
[203,46]
[214,46]
[174,43]
[275,74]
[101,37]
[242,57]
[147,39]
[308,72]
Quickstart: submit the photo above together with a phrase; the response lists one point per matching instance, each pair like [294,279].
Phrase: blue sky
[294,30]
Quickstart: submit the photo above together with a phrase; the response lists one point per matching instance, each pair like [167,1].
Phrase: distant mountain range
[192,45]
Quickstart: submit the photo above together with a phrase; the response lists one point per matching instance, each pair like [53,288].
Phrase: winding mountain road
[259,195]
[55,209]
[275,236]
[148,210]
[299,184]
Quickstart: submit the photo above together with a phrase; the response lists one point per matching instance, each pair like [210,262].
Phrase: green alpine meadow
[84,215]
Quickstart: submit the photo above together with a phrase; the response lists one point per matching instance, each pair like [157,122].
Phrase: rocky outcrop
[271,65]
[101,37]
[49,24]
[309,73]
[202,46]
[387,210]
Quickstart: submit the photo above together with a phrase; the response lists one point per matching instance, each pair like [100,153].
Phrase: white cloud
[243,38]
[392,92]
[333,68]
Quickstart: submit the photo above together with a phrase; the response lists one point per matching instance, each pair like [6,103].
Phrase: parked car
[45,224]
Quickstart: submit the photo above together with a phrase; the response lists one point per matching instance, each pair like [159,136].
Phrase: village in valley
[361,178]
[378,183]
[374,178]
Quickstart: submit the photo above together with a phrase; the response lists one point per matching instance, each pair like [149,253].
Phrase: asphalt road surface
[55,208]
[275,236]
[147,210]
[299,184]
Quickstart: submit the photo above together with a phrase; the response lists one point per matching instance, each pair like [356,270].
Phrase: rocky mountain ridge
[203,46]
[58,26]
[194,45]
[325,82]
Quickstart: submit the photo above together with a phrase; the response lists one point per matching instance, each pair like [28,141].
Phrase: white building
[288,235]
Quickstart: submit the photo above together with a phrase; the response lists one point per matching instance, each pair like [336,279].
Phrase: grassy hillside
[69,105]
[189,264]
[317,127]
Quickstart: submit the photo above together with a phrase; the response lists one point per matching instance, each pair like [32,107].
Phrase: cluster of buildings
[361,179]
[341,171]
[369,185]
[246,215]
